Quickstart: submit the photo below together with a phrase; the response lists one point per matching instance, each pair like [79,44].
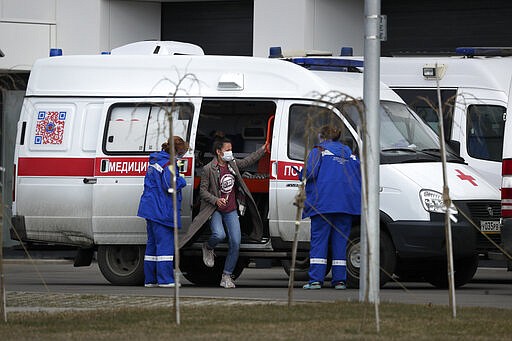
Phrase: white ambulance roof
[159,47]
[478,72]
[158,75]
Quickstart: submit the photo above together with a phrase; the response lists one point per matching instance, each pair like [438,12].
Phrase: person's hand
[266,147]
[221,202]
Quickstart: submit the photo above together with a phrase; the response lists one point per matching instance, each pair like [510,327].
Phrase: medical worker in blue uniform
[333,197]
[156,206]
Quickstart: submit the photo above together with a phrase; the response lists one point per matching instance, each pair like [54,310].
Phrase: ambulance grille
[483,211]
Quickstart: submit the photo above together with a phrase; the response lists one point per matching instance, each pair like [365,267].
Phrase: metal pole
[177,281]
[3,308]
[174,172]
[447,203]
[369,280]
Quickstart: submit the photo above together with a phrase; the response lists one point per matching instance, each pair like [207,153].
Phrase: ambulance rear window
[142,128]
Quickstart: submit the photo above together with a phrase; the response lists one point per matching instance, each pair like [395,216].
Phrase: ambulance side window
[158,124]
[127,128]
[304,123]
[142,128]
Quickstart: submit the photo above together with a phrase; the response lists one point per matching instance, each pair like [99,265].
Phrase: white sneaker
[151,285]
[227,281]
[208,256]
[168,285]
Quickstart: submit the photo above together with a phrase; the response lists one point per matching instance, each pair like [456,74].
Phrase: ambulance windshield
[404,137]
[401,128]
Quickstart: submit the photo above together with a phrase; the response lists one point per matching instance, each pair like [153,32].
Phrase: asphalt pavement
[55,284]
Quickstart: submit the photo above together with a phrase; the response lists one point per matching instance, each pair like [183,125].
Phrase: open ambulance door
[295,133]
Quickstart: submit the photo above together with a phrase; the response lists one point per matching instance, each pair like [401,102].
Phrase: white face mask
[228,156]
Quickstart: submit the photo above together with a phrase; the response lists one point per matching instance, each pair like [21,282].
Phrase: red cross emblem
[467,177]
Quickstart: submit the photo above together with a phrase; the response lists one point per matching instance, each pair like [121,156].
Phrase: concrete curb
[37,261]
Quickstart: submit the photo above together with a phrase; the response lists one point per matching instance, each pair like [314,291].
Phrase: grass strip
[318,321]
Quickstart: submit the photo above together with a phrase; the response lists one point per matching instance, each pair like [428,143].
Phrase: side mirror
[455,146]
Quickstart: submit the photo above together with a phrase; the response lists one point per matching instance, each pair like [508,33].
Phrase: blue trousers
[159,257]
[217,222]
[322,229]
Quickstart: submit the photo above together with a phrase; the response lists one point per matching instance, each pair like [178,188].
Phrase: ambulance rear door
[55,152]
[132,130]
[481,131]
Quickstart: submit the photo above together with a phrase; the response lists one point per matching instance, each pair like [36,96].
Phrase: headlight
[432,201]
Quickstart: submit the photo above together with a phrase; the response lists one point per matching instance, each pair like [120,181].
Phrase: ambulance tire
[122,264]
[387,257]
[301,268]
[195,271]
[465,269]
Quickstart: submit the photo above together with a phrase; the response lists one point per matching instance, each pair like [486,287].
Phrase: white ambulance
[88,124]
[506,185]
[474,91]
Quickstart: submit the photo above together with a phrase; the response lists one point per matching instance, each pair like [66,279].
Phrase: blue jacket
[156,201]
[333,183]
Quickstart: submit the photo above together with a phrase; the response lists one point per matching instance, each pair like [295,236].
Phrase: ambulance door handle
[90,181]
[273,169]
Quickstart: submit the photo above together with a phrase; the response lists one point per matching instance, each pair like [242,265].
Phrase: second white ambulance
[474,87]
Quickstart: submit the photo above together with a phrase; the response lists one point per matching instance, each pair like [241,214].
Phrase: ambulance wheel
[122,264]
[301,268]
[387,257]
[465,269]
[195,271]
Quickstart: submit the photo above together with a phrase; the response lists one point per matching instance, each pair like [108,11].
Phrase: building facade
[29,28]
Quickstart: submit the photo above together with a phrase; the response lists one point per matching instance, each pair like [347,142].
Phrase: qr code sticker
[50,127]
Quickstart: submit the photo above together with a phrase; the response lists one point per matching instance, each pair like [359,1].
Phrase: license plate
[490,226]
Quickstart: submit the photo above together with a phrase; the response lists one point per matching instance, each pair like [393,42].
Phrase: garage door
[428,26]
[219,27]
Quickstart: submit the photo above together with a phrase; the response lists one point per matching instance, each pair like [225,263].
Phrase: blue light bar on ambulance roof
[347,51]
[275,52]
[484,51]
[55,52]
[328,64]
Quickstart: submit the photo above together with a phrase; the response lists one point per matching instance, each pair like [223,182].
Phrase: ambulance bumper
[426,239]
[506,235]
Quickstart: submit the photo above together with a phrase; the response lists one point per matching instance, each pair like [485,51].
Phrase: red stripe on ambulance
[87,167]
[52,166]
[288,170]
